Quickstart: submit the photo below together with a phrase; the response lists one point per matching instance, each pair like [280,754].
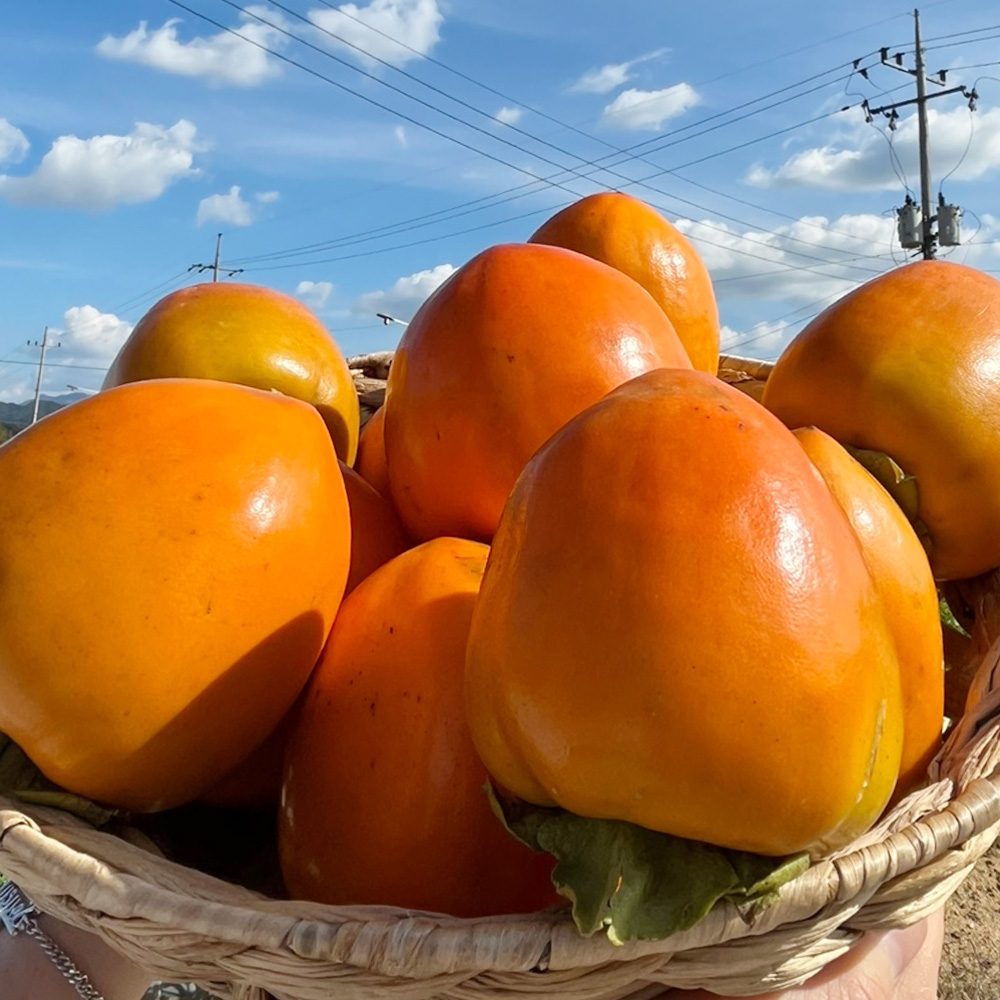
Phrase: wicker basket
[184,925]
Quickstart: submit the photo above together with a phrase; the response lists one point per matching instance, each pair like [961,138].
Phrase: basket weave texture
[184,925]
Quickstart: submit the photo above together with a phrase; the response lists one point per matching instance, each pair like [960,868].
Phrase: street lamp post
[387,319]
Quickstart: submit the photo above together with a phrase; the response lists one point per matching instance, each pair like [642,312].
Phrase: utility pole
[214,266]
[927,240]
[43,345]
[916,226]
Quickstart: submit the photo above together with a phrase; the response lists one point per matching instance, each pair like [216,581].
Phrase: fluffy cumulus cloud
[859,159]
[611,76]
[223,58]
[396,31]
[790,272]
[509,116]
[92,337]
[407,294]
[107,170]
[647,110]
[232,208]
[314,294]
[229,208]
[14,143]
[800,263]
[761,340]
[80,350]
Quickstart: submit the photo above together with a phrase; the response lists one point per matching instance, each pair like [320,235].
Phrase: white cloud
[222,58]
[232,208]
[611,76]
[107,170]
[400,133]
[314,293]
[380,27]
[761,265]
[88,338]
[509,116]
[92,337]
[228,208]
[404,298]
[649,109]
[13,143]
[762,340]
[859,160]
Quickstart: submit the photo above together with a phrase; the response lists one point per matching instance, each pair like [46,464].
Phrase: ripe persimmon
[376,534]
[370,462]
[909,364]
[902,575]
[677,628]
[384,799]
[510,347]
[633,237]
[248,334]
[166,592]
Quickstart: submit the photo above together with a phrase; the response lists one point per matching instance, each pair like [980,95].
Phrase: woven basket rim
[897,873]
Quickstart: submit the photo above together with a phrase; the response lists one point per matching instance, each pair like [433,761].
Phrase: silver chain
[17,914]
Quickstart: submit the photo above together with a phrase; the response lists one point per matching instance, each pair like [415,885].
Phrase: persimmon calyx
[899,484]
[638,884]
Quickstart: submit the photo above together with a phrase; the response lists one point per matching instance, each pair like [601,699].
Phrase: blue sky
[357,154]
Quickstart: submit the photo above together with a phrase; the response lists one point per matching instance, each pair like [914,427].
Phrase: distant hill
[17,416]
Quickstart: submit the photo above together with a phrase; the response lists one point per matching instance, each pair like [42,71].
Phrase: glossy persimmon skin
[633,237]
[251,335]
[902,575]
[370,462]
[384,797]
[162,596]
[376,537]
[909,364]
[515,343]
[677,628]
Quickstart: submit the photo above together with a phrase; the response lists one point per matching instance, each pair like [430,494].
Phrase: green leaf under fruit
[635,883]
[20,779]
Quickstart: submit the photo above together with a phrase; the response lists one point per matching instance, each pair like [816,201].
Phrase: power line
[465,104]
[398,227]
[379,104]
[532,187]
[550,179]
